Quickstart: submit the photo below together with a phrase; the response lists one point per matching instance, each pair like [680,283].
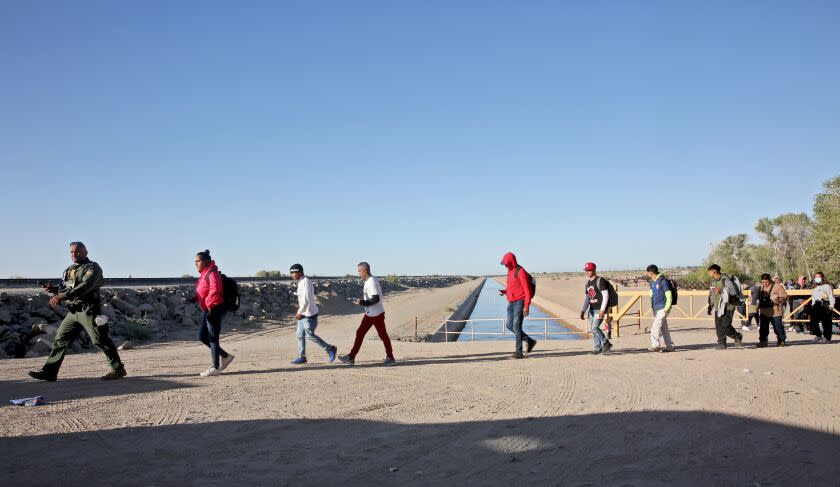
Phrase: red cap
[590,266]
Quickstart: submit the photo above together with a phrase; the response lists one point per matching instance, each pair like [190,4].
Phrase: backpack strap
[601,279]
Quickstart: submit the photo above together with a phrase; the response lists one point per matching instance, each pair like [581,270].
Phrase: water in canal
[492,306]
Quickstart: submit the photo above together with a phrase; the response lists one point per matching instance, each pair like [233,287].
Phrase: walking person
[307,317]
[753,309]
[822,308]
[518,293]
[595,303]
[661,300]
[771,298]
[79,291]
[374,317]
[724,296]
[795,302]
[209,293]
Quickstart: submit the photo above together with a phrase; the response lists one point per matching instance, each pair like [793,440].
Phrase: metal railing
[472,333]
[692,311]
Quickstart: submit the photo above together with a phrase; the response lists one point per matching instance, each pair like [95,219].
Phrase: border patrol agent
[79,290]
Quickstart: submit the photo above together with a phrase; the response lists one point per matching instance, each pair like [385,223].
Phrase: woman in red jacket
[209,295]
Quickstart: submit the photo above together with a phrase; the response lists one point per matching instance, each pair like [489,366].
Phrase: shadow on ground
[73,389]
[630,448]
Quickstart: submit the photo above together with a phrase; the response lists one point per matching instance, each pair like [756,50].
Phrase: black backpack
[612,301]
[532,283]
[674,293]
[231,293]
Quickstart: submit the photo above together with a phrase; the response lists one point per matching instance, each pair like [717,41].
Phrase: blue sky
[424,137]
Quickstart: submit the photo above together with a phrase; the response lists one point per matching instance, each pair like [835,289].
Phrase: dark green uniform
[80,286]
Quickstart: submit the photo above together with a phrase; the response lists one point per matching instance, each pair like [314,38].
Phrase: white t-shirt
[371,289]
[306,297]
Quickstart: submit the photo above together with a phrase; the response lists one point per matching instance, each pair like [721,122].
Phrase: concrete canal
[486,321]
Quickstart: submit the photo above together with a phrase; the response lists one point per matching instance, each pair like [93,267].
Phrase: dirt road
[448,414]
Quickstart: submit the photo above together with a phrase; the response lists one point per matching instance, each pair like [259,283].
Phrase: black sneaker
[607,348]
[41,375]
[531,344]
[517,355]
[720,346]
[738,340]
[115,374]
[759,344]
[595,352]
[346,359]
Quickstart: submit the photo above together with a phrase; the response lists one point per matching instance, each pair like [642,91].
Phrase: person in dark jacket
[518,293]
[79,291]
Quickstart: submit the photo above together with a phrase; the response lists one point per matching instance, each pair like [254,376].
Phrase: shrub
[269,274]
[133,329]
[392,279]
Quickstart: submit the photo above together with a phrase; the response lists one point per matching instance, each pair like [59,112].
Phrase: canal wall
[567,316]
[455,322]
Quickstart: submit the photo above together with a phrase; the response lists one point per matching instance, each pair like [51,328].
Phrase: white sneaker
[790,328]
[745,328]
[817,339]
[212,371]
[226,361]
[822,340]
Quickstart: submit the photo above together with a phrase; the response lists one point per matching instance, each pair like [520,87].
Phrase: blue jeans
[211,328]
[764,328]
[597,335]
[306,329]
[514,322]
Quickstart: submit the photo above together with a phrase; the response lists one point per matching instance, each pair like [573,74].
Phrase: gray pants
[306,329]
[659,329]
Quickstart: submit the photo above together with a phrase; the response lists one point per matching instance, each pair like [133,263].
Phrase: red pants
[378,322]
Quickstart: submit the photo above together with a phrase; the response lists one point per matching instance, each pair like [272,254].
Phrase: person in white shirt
[307,316]
[822,308]
[374,317]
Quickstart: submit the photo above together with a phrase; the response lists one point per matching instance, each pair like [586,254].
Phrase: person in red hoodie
[209,295]
[518,292]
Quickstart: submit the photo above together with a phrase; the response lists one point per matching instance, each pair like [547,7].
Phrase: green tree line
[792,244]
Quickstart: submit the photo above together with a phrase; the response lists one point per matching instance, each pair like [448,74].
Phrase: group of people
[209,295]
[725,297]
[79,291]
[81,281]
[768,298]
[816,312]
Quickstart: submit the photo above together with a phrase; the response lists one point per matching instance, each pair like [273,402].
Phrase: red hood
[509,261]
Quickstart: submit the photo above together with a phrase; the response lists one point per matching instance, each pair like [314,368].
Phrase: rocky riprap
[28,324]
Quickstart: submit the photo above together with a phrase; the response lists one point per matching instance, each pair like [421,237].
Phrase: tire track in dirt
[456,431]
[631,397]
[561,400]
[173,411]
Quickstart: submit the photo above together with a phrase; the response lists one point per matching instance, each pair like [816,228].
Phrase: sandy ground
[448,414]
